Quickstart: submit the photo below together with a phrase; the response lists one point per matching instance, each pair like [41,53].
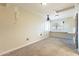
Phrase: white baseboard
[8,51]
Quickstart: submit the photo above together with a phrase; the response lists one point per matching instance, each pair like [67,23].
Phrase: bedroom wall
[20,27]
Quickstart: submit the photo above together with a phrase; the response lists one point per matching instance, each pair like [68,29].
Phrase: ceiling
[49,8]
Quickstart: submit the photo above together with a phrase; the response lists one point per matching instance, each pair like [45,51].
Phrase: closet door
[76,33]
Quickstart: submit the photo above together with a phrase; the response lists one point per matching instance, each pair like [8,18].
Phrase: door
[76,33]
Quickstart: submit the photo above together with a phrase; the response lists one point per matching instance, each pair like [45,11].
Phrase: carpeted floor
[47,47]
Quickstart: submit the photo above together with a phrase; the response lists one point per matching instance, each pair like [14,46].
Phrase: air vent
[27,39]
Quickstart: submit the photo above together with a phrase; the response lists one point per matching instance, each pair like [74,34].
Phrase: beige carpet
[47,47]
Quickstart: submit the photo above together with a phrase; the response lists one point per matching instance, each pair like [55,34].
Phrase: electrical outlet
[27,39]
[40,34]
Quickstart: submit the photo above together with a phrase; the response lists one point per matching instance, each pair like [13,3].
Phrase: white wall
[69,25]
[15,29]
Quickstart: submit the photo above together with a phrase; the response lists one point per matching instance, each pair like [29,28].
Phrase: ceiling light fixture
[44,3]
